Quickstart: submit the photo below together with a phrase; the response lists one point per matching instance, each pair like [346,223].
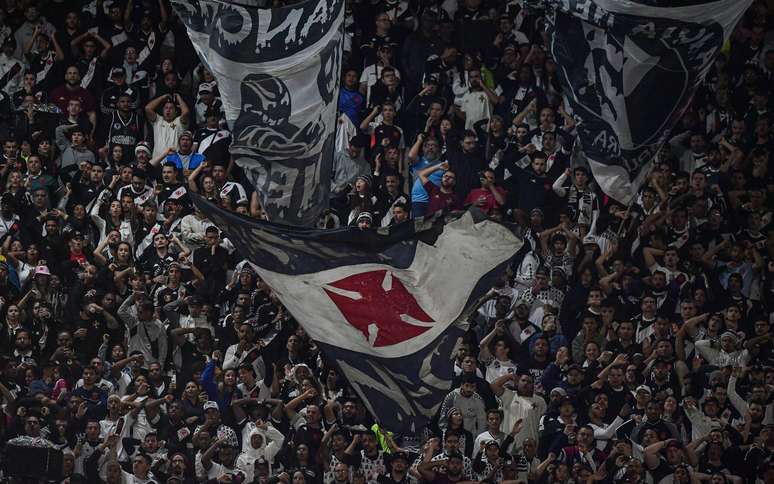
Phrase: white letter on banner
[320,15]
[264,35]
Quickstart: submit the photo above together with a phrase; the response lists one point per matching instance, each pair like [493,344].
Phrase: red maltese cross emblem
[379,306]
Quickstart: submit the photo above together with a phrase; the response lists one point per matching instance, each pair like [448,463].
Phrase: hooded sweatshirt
[271,443]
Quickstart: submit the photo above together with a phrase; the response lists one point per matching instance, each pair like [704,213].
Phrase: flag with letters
[629,69]
[386,306]
[278,77]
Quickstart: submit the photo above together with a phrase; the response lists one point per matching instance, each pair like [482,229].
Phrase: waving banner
[277,71]
[386,306]
[629,70]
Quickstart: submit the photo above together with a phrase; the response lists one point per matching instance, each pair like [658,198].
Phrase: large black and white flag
[278,75]
[387,306]
[629,70]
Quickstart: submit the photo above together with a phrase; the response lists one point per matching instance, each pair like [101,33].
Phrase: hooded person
[260,440]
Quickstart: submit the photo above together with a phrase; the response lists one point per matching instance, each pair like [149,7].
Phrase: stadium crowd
[628,344]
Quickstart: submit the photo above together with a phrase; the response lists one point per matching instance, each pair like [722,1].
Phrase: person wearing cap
[184,158]
[397,471]
[374,74]
[207,102]
[361,198]
[494,417]
[364,220]
[142,155]
[225,446]
[119,87]
[449,467]
[488,463]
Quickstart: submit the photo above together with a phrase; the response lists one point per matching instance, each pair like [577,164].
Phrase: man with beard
[348,165]
[522,329]
[72,89]
[440,197]
[470,404]
[520,403]
[470,371]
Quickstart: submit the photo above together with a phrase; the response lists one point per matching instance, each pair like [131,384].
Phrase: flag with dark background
[278,77]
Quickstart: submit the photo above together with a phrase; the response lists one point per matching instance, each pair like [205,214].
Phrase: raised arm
[498,386]
[413,153]
[184,109]
[424,174]
[150,108]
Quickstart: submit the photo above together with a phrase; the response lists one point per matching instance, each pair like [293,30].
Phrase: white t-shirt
[166,134]
[476,106]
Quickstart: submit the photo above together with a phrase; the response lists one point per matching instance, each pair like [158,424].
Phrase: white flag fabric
[278,75]
[629,70]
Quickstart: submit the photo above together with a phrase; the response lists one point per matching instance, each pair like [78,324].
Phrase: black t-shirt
[616,400]
[212,265]
[154,264]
